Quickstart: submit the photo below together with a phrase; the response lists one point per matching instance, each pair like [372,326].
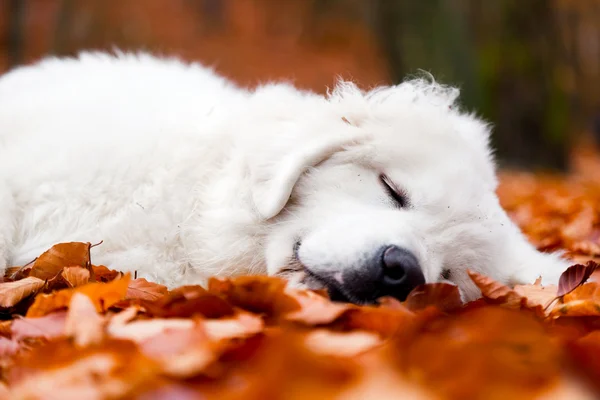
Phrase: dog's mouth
[314,281]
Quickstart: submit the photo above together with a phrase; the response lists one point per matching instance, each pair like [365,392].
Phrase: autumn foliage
[73,329]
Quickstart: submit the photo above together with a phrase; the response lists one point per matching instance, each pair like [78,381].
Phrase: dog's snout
[401,272]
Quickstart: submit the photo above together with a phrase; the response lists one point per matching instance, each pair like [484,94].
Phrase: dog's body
[184,176]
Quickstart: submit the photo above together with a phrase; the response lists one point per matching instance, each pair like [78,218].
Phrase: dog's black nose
[401,272]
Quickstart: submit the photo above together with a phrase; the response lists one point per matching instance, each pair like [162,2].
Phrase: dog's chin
[299,276]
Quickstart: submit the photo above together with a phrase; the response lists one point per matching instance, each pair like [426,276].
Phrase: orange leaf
[187,301]
[480,351]
[582,302]
[142,289]
[76,276]
[257,294]
[103,295]
[537,295]
[13,292]
[494,291]
[111,369]
[314,309]
[61,255]
[444,296]
[104,274]
[574,276]
[83,322]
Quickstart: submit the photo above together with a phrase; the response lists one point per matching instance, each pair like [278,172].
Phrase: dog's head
[371,194]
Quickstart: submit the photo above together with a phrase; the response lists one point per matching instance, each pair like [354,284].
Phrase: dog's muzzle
[391,271]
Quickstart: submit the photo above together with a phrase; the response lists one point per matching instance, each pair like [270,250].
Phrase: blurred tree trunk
[503,55]
[16,14]
[519,64]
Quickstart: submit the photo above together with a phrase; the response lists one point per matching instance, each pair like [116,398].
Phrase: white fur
[184,176]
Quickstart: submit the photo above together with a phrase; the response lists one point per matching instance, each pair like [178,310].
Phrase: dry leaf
[83,322]
[104,274]
[61,255]
[583,301]
[12,293]
[49,326]
[314,308]
[444,296]
[76,276]
[103,295]
[574,276]
[142,289]
[496,292]
[537,295]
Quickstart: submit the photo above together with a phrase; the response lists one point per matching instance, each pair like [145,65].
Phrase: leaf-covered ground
[74,330]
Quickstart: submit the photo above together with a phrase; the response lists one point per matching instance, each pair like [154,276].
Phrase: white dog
[183,176]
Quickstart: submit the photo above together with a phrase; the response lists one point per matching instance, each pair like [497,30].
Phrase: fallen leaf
[496,292]
[241,325]
[83,322]
[258,294]
[182,352]
[142,289]
[583,301]
[479,351]
[384,321]
[345,344]
[103,295]
[537,295]
[103,274]
[444,296]
[75,276]
[61,255]
[575,276]
[112,369]
[12,293]
[138,331]
[314,309]
[187,301]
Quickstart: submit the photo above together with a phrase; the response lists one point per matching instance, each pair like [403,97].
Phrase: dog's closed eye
[398,195]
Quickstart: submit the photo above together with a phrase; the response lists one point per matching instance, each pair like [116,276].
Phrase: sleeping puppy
[183,176]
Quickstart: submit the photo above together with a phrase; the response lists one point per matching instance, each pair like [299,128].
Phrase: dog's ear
[273,180]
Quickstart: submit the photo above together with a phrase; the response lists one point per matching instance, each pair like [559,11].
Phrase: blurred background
[531,67]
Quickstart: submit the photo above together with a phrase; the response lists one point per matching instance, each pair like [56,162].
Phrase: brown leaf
[444,296]
[187,301]
[75,276]
[16,273]
[314,309]
[83,322]
[385,321]
[12,293]
[583,301]
[103,295]
[61,255]
[479,351]
[574,276]
[112,369]
[104,274]
[142,289]
[257,294]
[496,292]
[536,294]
